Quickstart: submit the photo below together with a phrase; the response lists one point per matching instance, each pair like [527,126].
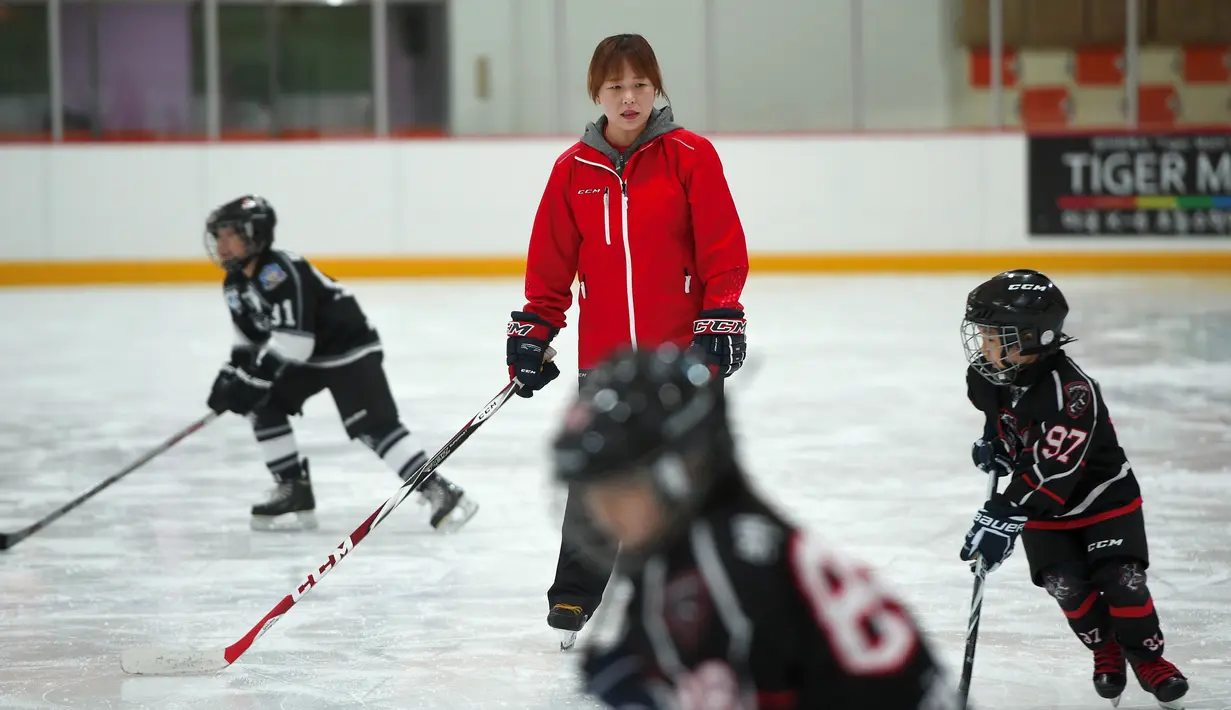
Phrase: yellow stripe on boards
[995,262]
[66,273]
[77,273]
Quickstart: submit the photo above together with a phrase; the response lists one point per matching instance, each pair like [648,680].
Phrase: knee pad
[1066,586]
[1123,581]
[267,419]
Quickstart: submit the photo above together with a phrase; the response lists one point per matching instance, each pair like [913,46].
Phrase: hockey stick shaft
[237,649]
[976,612]
[156,662]
[7,540]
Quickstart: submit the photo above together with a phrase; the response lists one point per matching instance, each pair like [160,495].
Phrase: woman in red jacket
[639,214]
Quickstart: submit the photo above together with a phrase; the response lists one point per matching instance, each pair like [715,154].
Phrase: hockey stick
[154,661]
[976,611]
[7,540]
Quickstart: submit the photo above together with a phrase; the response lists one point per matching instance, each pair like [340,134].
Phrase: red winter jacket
[651,235]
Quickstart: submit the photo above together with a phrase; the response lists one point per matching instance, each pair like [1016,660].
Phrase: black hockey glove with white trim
[994,533]
[526,352]
[992,457]
[718,338]
[220,391]
[243,384]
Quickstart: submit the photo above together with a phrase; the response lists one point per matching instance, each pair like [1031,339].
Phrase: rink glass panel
[25,83]
[235,69]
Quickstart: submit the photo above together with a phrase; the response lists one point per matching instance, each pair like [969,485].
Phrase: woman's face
[627,101]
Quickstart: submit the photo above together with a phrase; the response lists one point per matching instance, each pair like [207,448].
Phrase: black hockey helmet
[253,218]
[1018,312]
[653,416]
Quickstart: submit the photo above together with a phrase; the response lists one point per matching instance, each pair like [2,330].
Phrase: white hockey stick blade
[158,661]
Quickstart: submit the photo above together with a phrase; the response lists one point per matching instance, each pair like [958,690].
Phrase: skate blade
[287,522]
[567,639]
[461,514]
[1177,704]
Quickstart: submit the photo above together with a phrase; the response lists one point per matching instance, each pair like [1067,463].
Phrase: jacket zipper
[628,257]
[628,266]
[607,214]
[687,281]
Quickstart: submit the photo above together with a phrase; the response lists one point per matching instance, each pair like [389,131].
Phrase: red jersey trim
[1039,487]
[1084,521]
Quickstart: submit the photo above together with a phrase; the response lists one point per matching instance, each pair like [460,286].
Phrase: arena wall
[920,202]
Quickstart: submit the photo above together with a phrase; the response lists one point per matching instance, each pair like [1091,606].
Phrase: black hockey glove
[525,351]
[219,393]
[718,338]
[992,457]
[995,530]
[250,387]
[615,678]
[240,388]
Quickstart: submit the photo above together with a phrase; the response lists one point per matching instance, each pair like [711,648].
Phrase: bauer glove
[994,533]
[526,352]
[718,338]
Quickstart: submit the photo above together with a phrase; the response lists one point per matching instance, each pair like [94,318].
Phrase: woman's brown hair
[613,52]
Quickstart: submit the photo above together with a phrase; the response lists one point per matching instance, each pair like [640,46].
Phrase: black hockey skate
[291,506]
[1110,673]
[1164,681]
[451,507]
[567,619]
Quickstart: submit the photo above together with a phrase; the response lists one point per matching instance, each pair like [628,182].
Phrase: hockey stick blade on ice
[976,611]
[153,661]
[7,540]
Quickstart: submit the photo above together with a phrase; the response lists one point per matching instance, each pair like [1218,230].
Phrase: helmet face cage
[990,350]
[252,218]
[242,227]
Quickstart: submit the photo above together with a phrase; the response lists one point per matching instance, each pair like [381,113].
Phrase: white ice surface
[853,417]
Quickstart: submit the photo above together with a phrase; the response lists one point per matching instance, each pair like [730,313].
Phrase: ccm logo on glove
[719,326]
[518,329]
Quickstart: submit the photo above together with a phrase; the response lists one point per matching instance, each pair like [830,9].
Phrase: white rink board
[857,424]
[811,194]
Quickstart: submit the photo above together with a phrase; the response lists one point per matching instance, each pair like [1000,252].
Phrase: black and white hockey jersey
[747,611]
[293,311]
[1070,470]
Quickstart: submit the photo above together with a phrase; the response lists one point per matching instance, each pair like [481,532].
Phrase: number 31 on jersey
[282,315]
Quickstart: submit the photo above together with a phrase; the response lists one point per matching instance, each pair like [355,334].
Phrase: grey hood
[661,123]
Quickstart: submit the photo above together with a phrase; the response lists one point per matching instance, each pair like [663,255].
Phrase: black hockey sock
[1123,583]
[1082,605]
[397,448]
[277,441]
